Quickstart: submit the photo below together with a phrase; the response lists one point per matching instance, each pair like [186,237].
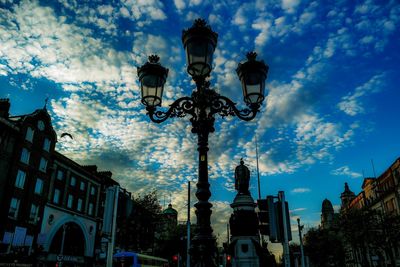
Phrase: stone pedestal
[245,242]
[245,251]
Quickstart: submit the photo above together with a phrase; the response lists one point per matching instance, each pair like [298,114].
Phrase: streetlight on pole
[301,242]
[199,42]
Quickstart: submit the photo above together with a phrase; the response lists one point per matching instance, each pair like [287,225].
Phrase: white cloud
[180,5]
[351,104]
[290,5]
[300,190]
[345,171]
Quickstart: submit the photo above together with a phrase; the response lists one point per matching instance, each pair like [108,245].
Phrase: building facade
[51,207]
[380,197]
[26,146]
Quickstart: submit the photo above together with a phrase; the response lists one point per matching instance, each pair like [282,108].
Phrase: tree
[141,225]
[387,234]
[324,247]
[360,230]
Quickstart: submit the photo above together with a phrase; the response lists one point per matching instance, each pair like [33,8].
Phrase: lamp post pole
[204,103]
[301,242]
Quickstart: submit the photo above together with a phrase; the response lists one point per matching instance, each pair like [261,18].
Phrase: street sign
[60,258]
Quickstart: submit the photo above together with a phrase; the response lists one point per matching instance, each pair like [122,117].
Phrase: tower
[347,196]
[327,214]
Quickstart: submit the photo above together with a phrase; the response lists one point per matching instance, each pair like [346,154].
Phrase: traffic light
[175,258]
[267,217]
[270,218]
[281,223]
[228,260]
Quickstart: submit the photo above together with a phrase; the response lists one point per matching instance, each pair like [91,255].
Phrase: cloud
[345,171]
[351,103]
[300,190]
[290,5]
[46,46]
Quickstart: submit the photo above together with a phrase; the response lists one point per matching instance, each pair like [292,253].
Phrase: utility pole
[188,230]
[258,171]
[111,242]
[300,227]
[62,245]
[285,244]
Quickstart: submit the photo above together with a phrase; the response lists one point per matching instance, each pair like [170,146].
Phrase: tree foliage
[137,231]
[324,247]
[369,231]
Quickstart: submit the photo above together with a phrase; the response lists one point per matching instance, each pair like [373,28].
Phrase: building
[169,222]
[381,196]
[328,216]
[72,217]
[49,204]
[26,147]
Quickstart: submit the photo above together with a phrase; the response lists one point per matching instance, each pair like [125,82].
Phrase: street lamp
[199,42]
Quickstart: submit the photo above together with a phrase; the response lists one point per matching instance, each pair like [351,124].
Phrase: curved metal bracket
[179,108]
[225,107]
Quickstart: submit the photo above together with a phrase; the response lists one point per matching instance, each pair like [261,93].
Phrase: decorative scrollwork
[226,107]
[203,105]
[179,108]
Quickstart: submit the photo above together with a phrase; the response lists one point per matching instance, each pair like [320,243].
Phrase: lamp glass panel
[254,90]
[151,81]
[152,86]
[151,99]
[199,56]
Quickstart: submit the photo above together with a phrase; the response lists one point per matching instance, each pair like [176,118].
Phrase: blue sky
[332,92]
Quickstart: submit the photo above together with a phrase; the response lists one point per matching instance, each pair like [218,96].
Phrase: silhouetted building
[378,194]
[347,196]
[328,216]
[49,204]
[26,146]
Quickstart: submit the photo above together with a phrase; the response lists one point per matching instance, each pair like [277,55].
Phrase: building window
[70,201]
[73,181]
[14,206]
[93,190]
[25,156]
[82,186]
[33,216]
[390,205]
[29,134]
[20,180]
[90,209]
[43,164]
[60,175]
[46,144]
[56,197]
[39,186]
[79,207]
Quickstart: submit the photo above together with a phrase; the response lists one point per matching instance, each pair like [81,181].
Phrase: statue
[242,178]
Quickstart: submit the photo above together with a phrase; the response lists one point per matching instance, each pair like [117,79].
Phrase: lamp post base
[203,252]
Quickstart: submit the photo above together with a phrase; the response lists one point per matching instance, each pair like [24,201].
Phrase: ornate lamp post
[199,42]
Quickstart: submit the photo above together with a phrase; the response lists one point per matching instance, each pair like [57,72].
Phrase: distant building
[346,197]
[170,219]
[328,216]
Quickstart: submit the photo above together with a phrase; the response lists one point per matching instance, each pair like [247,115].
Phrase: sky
[329,116]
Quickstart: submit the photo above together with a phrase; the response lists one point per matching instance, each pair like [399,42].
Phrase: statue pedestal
[245,242]
[245,251]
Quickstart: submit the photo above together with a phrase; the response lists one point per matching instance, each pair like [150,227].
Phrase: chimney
[4,107]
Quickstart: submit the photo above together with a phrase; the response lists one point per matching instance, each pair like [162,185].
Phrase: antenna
[373,167]
[258,171]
